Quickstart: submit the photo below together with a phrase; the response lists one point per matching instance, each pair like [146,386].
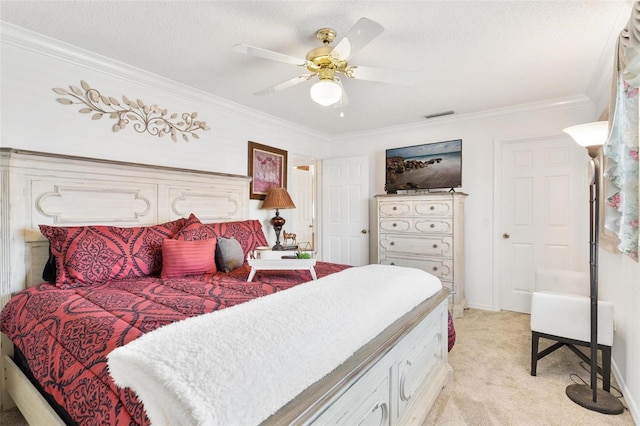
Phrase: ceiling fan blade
[358,37]
[267,54]
[344,100]
[382,75]
[284,85]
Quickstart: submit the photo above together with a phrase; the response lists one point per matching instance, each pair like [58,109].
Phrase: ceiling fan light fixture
[326,92]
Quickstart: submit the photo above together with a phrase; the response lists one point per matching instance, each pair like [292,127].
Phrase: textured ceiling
[471,56]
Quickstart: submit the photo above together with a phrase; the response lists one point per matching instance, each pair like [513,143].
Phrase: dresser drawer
[365,403]
[433,208]
[441,268]
[415,208]
[443,225]
[395,208]
[426,245]
[422,225]
[419,363]
[396,224]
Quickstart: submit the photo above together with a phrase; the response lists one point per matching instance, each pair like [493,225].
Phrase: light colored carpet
[492,382]
[12,418]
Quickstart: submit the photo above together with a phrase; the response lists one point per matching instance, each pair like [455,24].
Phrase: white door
[542,199]
[345,210]
[301,188]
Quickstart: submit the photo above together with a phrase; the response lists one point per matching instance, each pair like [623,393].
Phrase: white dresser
[425,231]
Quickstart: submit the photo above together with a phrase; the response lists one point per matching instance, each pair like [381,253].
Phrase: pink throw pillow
[181,258]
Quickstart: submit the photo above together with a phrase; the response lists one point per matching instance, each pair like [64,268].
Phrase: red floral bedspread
[66,335]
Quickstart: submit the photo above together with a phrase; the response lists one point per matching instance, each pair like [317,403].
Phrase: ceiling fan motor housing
[320,59]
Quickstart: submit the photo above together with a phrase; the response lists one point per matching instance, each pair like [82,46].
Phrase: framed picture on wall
[268,168]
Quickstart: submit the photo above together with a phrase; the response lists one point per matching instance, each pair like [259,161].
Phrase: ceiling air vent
[438,114]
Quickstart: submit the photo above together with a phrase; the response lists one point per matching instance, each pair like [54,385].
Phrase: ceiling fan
[328,63]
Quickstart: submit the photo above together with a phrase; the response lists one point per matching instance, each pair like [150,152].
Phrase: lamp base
[278,222]
[605,404]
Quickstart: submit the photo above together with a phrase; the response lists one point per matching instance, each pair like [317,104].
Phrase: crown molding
[22,38]
[578,101]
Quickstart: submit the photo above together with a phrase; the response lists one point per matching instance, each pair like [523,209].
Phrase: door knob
[364,231]
[506,235]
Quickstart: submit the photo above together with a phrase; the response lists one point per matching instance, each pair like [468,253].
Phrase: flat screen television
[424,167]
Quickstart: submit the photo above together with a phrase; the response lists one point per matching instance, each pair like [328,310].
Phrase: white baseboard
[632,405]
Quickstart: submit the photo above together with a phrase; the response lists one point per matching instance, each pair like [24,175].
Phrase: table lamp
[278,198]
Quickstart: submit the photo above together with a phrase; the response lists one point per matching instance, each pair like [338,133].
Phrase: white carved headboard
[38,188]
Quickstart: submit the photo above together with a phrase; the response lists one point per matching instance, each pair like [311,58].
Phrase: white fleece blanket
[241,364]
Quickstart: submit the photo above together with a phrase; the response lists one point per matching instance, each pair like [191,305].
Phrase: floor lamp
[592,136]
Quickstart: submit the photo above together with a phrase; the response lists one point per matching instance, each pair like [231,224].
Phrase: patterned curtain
[621,216]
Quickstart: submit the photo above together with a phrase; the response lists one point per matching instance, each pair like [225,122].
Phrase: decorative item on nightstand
[278,198]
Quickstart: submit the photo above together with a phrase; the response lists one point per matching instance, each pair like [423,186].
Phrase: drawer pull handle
[432,225]
[435,246]
[435,268]
[385,411]
[395,224]
[395,208]
[403,390]
[432,208]
[392,243]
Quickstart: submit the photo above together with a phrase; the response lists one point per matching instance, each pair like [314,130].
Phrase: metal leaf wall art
[144,118]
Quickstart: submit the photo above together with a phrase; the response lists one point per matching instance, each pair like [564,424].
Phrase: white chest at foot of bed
[393,385]
[368,341]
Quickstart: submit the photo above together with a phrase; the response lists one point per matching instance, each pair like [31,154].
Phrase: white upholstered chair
[560,311]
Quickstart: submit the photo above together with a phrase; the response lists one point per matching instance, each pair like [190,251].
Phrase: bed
[57,336]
